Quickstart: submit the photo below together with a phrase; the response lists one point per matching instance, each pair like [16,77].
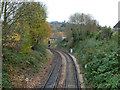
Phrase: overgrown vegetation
[25,35]
[99,58]
[96,49]
[14,63]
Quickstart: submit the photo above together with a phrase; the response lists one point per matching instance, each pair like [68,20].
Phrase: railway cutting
[68,78]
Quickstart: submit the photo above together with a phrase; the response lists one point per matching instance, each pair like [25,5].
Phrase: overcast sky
[104,11]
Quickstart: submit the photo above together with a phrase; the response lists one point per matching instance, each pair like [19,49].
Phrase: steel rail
[75,71]
[54,73]
[66,83]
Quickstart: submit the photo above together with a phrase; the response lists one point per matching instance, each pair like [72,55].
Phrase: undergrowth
[13,61]
[99,58]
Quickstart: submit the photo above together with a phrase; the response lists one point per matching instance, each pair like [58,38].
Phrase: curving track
[71,80]
[53,78]
[71,77]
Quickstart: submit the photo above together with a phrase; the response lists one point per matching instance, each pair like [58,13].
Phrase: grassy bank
[16,66]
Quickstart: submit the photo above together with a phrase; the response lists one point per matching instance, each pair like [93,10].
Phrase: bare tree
[79,27]
[8,11]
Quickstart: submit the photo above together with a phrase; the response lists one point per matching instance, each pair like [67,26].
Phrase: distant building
[117,27]
[53,39]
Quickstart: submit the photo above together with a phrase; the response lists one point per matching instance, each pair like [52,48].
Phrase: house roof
[117,25]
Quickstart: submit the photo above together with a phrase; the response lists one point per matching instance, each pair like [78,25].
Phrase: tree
[8,10]
[79,27]
[31,25]
[27,25]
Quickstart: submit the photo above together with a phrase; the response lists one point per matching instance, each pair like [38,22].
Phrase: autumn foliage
[24,33]
[29,28]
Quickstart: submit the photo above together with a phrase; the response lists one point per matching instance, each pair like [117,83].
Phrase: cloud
[104,11]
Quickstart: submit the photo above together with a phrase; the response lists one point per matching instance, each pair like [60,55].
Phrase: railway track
[71,77]
[53,77]
[71,80]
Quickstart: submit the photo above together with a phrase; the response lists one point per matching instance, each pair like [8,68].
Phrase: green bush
[100,57]
[6,81]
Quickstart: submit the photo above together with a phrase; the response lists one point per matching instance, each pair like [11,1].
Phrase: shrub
[101,60]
